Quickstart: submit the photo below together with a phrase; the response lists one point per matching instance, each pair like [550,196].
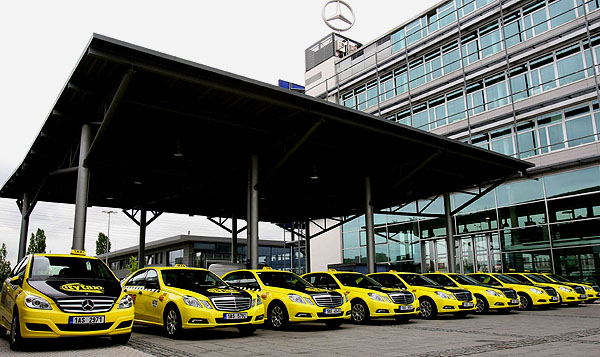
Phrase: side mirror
[16,280]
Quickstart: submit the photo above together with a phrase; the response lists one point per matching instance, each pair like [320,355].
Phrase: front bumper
[501,302]
[571,297]
[55,323]
[449,305]
[194,317]
[389,309]
[306,312]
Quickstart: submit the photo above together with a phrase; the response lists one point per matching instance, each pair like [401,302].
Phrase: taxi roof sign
[331,270]
[267,268]
[77,252]
[181,265]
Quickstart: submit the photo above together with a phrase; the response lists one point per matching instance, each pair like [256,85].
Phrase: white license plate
[236,316]
[406,307]
[554,298]
[467,304]
[332,311]
[514,301]
[583,296]
[86,320]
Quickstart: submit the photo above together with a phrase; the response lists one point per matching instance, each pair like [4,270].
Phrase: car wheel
[590,301]
[15,340]
[277,316]
[525,302]
[246,330]
[402,319]
[120,339]
[360,312]
[332,324]
[172,322]
[428,309]
[482,304]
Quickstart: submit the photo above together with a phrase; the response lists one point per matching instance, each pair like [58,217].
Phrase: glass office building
[515,77]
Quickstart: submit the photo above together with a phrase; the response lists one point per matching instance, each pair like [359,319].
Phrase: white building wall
[326,248]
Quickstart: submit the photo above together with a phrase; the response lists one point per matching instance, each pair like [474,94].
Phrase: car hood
[311,290]
[211,292]
[381,289]
[62,288]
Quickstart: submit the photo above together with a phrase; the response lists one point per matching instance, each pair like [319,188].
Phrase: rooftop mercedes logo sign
[338,15]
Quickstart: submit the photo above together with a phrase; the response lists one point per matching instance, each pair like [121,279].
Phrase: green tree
[102,244]
[37,242]
[4,264]
[132,265]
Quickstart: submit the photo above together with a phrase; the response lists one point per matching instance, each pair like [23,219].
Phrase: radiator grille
[232,303]
[550,291]
[328,300]
[579,290]
[85,305]
[509,293]
[463,295]
[403,298]
[596,288]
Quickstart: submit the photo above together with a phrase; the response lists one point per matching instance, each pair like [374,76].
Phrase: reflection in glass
[525,238]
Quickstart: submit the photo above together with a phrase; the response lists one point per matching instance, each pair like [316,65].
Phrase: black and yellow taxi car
[433,298]
[591,290]
[368,298]
[180,298]
[289,299]
[529,295]
[488,297]
[571,296]
[64,295]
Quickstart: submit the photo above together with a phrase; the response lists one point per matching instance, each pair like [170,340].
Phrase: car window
[242,279]
[520,278]
[323,281]
[418,280]
[19,269]
[191,279]
[389,280]
[138,279]
[356,280]
[486,279]
[43,267]
[511,279]
[151,278]
[441,279]
[539,278]
[280,279]
[464,279]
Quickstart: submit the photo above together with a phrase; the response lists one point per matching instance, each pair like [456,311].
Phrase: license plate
[514,301]
[583,296]
[86,320]
[332,311]
[467,304]
[554,298]
[406,307]
[236,316]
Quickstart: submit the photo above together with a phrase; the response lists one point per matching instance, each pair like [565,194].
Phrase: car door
[134,287]
[148,297]
[11,289]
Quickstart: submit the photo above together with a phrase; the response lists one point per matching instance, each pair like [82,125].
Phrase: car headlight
[126,302]
[345,298]
[296,298]
[258,300]
[444,295]
[587,288]
[376,297]
[566,290]
[36,302]
[536,291]
[206,304]
[309,301]
[192,301]
[494,293]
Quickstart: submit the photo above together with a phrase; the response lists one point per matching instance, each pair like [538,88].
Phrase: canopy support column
[449,233]
[24,226]
[81,198]
[234,242]
[370,228]
[307,246]
[253,214]
[142,243]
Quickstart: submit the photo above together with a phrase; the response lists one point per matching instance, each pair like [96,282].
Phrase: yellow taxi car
[487,297]
[529,294]
[368,298]
[433,298]
[64,295]
[289,299]
[592,291]
[180,298]
[571,296]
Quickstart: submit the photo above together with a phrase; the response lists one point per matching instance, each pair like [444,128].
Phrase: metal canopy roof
[167,106]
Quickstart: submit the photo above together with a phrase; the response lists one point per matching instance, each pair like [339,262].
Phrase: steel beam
[142,243]
[479,195]
[234,242]
[81,198]
[253,224]
[307,246]
[416,169]
[449,233]
[369,219]
[24,226]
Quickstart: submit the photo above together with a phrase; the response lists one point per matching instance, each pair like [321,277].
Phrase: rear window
[280,279]
[44,267]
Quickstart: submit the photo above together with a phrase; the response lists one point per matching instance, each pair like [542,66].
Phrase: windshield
[508,279]
[282,279]
[559,278]
[538,278]
[356,280]
[418,280]
[44,267]
[189,279]
[464,279]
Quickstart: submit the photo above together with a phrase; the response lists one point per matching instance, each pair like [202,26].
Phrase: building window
[175,257]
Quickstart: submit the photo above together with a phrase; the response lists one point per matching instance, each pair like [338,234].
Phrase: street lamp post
[108,234]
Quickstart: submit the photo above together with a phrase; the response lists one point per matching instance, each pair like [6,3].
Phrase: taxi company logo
[83,288]
[87,305]
[342,19]
[390,289]
[317,290]
[223,291]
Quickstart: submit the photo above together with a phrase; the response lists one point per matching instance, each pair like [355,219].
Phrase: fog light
[499,304]
[303,314]
[259,317]
[448,307]
[382,311]
[198,321]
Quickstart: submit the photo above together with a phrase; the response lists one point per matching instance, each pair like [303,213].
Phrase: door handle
[140,293]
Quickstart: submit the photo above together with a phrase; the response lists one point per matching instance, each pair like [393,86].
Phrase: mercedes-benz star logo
[342,19]
[87,305]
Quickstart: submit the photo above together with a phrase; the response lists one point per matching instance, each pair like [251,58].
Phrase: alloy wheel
[277,316]
[523,302]
[358,312]
[172,322]
[480,305]
[426,309]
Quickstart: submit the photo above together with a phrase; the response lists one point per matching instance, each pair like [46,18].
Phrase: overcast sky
[41,42]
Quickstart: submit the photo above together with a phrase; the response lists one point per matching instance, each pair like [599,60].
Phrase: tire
[333,324]
[590,301]
[461,314]
[120,339]
[402,319]
[360,312]
[3,331]
[277,316]
[172,322]
[482,305]
[246,330]
[428,309]
[15,339]
[525,302]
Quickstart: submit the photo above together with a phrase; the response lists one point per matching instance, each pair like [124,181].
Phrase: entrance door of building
[435,255]
[478,252]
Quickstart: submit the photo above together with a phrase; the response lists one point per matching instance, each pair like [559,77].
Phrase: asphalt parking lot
[571,331]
